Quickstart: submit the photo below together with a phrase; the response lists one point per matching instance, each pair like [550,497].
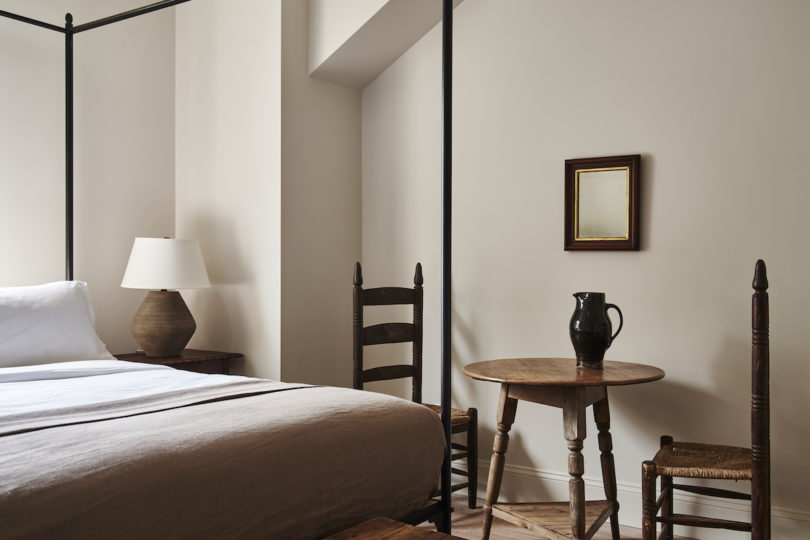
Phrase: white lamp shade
[165,263]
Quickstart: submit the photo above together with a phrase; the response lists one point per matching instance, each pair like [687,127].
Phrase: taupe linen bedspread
[297,463]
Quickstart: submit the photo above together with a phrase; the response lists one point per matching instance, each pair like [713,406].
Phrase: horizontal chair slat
[387,373]
[714,492]
[388,333]
[699,521]
[388,296]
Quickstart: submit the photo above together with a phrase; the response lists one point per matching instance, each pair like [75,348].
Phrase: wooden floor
[467,524]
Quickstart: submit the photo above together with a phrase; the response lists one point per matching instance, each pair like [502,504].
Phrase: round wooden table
[558,382]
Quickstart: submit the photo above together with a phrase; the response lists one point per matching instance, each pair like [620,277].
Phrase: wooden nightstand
[189,360]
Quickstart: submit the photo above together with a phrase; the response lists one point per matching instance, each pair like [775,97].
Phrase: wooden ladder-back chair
[399,332]
[694,460]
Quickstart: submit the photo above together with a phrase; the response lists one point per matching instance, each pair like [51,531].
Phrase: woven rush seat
[457,416]
[697,460]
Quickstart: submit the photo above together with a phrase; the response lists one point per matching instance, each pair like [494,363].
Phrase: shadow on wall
[517,452]
[716,410]
[464,344]
[222,323]
[468,392]
[647,173]
[221,250]
[790,430]
[685,412]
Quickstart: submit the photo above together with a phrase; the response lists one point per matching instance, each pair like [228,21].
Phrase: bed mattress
[112,449]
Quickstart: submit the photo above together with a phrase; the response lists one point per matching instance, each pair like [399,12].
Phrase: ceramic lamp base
[163,325]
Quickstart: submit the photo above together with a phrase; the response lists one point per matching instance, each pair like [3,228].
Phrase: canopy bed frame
[439,512]
[69,31]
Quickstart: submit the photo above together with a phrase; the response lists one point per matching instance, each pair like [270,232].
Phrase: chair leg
[472,458]
[667,497]
[666,506]
[648,502]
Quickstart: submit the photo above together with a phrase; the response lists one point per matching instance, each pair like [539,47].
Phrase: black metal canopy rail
[443,523]
[69,31]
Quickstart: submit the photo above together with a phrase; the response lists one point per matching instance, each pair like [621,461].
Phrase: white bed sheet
[61,385]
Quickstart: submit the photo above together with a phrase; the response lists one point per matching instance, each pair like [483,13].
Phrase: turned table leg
[574,426]
[601,413]
[506,417]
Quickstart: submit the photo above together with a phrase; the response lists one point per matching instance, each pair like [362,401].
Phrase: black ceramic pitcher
[590,328]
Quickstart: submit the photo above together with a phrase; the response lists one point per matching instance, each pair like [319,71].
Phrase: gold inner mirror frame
[624,210]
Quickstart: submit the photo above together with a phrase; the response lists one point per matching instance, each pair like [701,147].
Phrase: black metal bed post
[68,147]
[447,226]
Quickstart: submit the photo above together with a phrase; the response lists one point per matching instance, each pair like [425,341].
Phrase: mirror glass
[602,199]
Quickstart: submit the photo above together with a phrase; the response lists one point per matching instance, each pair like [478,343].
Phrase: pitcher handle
[621,321]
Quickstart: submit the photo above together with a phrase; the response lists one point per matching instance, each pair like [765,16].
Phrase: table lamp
[163,324]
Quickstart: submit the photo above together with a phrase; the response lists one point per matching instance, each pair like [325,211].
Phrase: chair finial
[417,277]
[760,276]
[358,275]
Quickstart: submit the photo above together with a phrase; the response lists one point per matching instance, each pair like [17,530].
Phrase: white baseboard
[527,484]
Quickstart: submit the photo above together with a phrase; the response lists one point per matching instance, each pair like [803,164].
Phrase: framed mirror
[602,203]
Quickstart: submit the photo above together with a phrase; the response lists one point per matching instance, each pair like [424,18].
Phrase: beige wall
[320,213]
[229,173]
[715,98]
[268,179]
[332,23]
[124,149]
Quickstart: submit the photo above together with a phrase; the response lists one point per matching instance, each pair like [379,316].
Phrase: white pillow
[48,323]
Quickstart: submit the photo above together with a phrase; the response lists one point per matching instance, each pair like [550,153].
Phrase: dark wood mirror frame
[627,242]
